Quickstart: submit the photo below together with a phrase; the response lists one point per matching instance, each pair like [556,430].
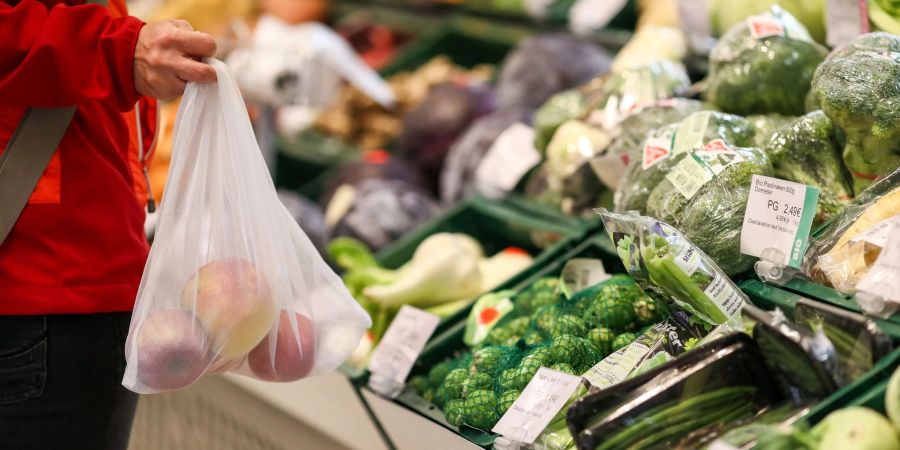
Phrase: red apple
[172,349]
[233,301]
[294,350]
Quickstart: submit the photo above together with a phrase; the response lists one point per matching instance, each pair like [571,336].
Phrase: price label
[779,216]
[507,161]
[581,273]
[882,279]
[402,343]
[543,398]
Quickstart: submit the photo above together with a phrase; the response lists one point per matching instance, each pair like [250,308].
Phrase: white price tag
[845,20]
[883,278]
[539,402]
[779,216]
[507,161]
[402,342]
[877,234]
[581,273]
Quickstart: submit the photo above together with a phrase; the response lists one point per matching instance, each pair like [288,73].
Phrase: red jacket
[79,245]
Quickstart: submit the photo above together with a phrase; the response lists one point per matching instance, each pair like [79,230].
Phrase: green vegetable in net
[506,400]
[602,339]
[622,340]
[454,383]
[453,411]
[477,382]
[480,409]
[753,72]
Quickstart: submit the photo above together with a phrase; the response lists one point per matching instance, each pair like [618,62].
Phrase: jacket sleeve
[66,55]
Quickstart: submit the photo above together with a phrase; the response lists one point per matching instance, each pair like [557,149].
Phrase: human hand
[165,58]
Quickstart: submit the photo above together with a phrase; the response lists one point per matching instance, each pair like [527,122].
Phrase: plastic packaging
[842,254]
[763,65]
[670,267]
[856,87]
[807,152]
[627,91]
[232,283]
[658,148]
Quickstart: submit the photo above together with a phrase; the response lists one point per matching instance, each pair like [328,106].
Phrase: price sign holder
[771,269]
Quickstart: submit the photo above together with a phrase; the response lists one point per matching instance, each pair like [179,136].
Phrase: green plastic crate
[786,298]
[868,390]
[450,340]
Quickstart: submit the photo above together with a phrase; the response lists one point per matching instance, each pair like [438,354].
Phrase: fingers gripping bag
[232,283]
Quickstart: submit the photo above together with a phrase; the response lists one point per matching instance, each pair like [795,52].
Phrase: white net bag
[232,282]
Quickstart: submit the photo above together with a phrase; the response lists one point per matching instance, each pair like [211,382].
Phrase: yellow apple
[233,301]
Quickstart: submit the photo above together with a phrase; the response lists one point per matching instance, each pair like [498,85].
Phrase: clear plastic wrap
[231,283]
[856,87]
[842,254]
[660,146]
[763,65]
[458,174]
[766,125]
[626,91]
[669,266]
[807,152]
[558,109]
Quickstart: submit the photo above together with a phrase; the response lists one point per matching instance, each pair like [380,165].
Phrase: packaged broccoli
[672,269]
[766,125]
[857,88]
[660,147]
[763,65]
[844,252]
[807,152]
[626,91]
[705,194]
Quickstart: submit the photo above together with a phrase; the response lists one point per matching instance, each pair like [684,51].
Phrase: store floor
[215,414]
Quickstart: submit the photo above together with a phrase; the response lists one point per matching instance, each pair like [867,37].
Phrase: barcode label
[688,176]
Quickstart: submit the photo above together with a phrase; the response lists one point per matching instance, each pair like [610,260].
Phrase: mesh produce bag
[232,283]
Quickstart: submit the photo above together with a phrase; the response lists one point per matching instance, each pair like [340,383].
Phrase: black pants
[60,382]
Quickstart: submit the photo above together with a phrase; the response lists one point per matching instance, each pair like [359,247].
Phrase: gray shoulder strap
[25,158]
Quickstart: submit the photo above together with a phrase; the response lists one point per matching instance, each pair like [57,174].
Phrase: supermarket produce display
[575,209]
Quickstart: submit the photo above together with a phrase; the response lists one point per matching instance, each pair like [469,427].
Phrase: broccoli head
[712,218]
[808,152]
[637,183]
[858,88]
[765,74]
